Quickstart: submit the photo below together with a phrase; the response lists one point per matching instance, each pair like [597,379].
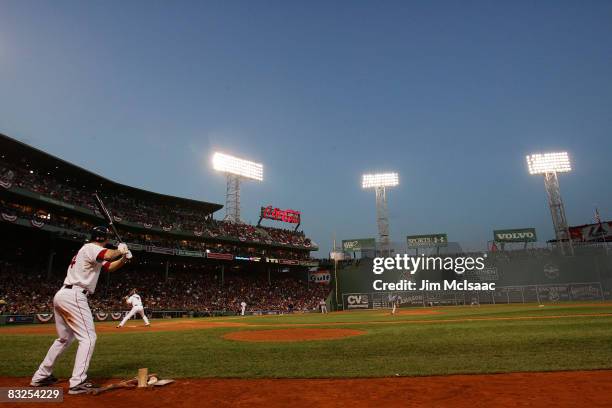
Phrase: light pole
[380,182]
[549,165]
[235,169]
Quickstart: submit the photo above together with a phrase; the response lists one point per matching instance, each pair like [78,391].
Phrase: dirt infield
[291,335]
[157,325]
[561,389]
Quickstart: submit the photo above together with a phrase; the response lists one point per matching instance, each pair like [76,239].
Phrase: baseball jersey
[85,267]
[135,300]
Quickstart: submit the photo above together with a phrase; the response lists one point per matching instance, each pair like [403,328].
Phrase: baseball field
[499,354]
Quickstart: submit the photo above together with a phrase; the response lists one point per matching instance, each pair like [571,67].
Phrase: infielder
[323,306]
[243,306]
[73,318]
[136,303]
[394,299]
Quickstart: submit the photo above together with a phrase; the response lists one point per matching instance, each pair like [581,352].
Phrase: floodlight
[380,180]
[549,163]
[235,169]
[240,167]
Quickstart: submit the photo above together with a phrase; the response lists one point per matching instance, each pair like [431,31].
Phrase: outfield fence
[561,292]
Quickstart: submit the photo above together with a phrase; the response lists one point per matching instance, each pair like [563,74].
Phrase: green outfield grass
[456,340]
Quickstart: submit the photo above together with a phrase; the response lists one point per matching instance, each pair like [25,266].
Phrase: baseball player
[323,306]
[73,318]
[136,303]
[243,306]
[394,299]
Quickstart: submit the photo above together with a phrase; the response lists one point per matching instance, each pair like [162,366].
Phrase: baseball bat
[123,384]
[107,216]
[131,383]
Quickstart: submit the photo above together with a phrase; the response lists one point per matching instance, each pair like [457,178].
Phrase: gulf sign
[321,277]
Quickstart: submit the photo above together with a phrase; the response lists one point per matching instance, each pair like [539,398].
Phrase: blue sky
[452,95]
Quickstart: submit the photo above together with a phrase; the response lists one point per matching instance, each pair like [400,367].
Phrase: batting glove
[123,248]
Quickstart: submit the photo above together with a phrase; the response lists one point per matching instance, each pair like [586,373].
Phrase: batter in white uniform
[243,306]
[136,303]
[73,318]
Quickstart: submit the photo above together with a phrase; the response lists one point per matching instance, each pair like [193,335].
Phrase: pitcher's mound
[287,335]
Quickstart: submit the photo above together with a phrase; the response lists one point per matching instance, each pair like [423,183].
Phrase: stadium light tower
[235,169]
[379,182]
[549,164]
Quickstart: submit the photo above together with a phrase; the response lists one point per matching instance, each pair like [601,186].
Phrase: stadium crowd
[148,214]
[79,229]
[25,291]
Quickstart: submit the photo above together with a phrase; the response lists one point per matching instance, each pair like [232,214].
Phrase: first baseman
[136,303]
[323,306]
[73,318]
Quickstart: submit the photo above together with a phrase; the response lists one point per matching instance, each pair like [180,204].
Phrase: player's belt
[70,287]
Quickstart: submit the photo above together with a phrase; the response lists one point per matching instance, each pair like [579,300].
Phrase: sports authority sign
[515,235]
[354,245]
[272,213]
[431,240]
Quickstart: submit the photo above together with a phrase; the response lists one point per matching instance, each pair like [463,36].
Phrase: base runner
[73,318]
[136,303]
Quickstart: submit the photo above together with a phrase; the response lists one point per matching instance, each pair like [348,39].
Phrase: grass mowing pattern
[405,346]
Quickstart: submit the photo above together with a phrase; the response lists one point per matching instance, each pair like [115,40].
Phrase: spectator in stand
[162,215]
[195,289]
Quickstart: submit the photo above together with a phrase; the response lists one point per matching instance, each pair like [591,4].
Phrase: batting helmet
[100,234]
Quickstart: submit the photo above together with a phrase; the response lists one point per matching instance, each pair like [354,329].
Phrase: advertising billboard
[515,235]
[354,245]
[429,240]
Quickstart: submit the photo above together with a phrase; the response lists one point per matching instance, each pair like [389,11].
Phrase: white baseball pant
[135,309]
[73,320]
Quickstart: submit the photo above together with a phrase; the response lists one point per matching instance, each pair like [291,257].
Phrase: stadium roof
[40,161]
